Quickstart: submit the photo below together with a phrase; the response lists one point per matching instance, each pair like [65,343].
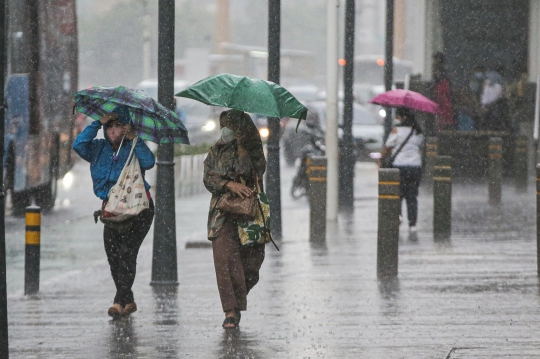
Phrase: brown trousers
[237,267]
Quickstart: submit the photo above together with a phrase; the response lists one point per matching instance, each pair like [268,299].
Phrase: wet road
[475,296]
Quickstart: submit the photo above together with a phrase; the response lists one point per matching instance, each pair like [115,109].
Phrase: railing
[188,175]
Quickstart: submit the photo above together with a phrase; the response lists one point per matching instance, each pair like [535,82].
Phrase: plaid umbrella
[151,121]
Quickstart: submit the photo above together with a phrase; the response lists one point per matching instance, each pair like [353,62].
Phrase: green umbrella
[246,94]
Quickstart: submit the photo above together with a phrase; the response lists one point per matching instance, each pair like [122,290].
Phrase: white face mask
[227,135]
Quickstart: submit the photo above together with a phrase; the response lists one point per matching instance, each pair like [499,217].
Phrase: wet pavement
[474,296]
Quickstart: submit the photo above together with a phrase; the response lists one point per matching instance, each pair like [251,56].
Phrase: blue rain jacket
[99,153]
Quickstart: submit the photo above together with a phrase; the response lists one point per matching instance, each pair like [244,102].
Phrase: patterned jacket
[222,165]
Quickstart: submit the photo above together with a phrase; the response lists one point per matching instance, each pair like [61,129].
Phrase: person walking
[404,145]
[441,95]
[107,158]
[234,164]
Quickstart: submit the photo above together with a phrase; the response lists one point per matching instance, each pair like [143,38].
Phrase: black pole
[4,347]
[348,160]
[273,178]
[388,62]
[538,218]
[164,261]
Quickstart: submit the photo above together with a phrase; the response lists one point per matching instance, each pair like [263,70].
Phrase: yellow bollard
[32,250]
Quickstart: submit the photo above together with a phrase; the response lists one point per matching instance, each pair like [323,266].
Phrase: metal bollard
[388,223]
[32,250]
[316,170]
[442,197]
[521,151]
[538,218]
[495,170]
[432,151]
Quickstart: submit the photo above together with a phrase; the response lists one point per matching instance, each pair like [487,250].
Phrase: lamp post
[273,185]
[332,109]
[348,159]
[388,62]
[4,345]
[164,260]
[147,46]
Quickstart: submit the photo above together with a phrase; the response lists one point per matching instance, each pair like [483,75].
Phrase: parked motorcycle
[314,147]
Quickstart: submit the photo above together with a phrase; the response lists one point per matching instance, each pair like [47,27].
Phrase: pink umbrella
[406,98]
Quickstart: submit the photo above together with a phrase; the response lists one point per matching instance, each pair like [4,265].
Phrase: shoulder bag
[388,162]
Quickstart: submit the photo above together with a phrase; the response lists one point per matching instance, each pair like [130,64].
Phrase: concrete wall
[418,33]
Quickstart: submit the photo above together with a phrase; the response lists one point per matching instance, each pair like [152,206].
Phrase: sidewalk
[476,296]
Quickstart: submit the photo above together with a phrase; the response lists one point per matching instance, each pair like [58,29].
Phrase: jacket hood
[123,116]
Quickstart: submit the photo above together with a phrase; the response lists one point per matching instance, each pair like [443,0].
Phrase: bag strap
[256,177]
[132,149]
[393,157]
[264,223]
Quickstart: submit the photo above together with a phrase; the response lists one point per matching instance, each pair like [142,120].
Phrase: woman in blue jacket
[107,158]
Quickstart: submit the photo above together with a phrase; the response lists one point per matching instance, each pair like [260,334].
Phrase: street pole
[347,155]
[223,24]
[332,109]
[389,62]
[4,345]
[164,261]
[273,183]
[146,42]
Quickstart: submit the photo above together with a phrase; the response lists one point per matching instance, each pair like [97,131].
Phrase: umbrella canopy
[406,98]
[151,121]
[246,94]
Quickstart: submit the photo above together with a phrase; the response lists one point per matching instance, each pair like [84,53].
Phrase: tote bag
[127,198]
[257,231]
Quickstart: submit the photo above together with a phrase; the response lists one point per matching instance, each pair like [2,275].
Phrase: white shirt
[492,92]
[411,153]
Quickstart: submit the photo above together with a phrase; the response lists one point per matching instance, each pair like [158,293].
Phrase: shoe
[412,229]
[115,311]
[130,308]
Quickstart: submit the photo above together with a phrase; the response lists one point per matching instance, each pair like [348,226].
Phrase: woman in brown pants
[235,159]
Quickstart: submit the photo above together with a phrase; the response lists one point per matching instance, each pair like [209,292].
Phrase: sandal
[237,315]
[230,320]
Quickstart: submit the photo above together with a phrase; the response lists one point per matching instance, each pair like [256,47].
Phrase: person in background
[476,84]
[441,95]
[465,110]
[107,159]
[408,160]
[516,99]
[495,106]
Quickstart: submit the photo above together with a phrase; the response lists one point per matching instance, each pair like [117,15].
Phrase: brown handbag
[240,208]
[244,208]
